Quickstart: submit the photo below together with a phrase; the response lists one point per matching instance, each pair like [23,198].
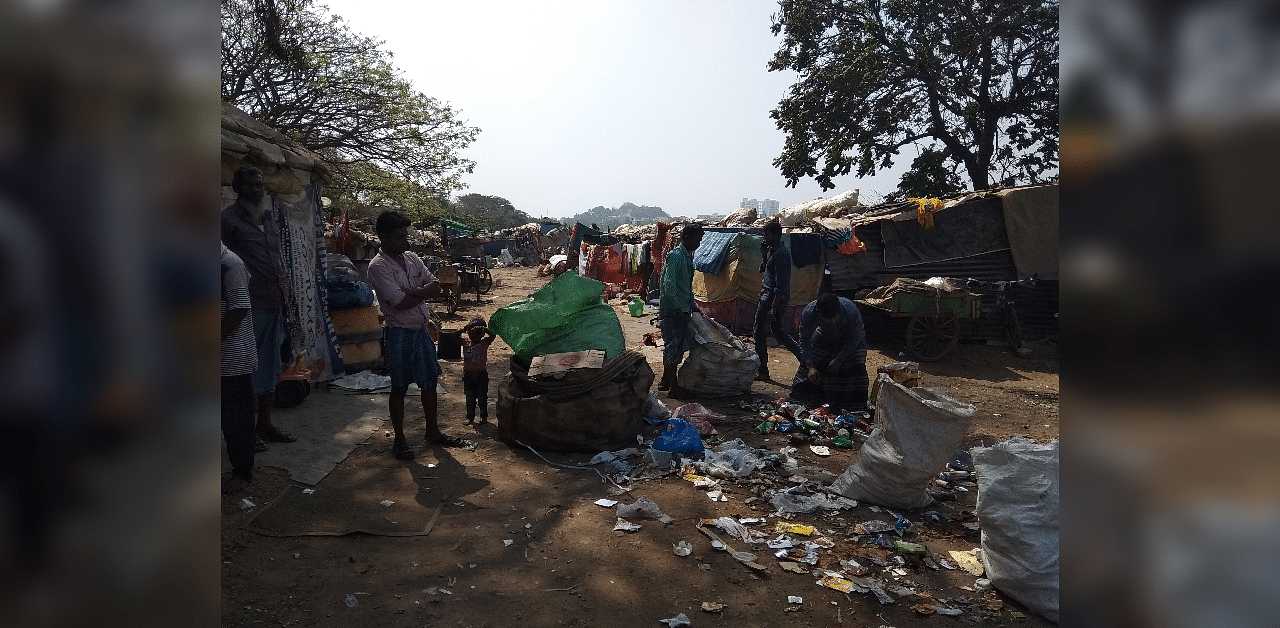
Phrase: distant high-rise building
[768,207]
[749,203]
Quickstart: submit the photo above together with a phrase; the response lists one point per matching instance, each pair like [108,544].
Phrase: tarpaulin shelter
[730,296]
[294,178]
[994,235]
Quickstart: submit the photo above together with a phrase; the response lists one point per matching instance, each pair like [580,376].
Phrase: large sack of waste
[744,217]
[915,433]
[1018,508]
[719,363]
[565,315]
[584,410]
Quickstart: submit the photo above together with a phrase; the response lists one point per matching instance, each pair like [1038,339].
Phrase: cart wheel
[931,337]
[486,281]
[290,393]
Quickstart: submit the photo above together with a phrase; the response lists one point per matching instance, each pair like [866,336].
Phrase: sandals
[402,451]
[259,445]
[447,440]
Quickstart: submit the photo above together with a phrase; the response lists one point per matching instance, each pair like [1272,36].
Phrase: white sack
[719,363]
[915,433]
[1018,508]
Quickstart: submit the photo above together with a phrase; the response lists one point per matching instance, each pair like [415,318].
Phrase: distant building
[711,217]
[768,207]
[749,203]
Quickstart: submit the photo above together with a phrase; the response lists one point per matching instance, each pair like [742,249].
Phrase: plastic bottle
[636,306]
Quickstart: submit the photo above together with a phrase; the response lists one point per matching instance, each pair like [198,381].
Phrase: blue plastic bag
[679,437]
[345,294]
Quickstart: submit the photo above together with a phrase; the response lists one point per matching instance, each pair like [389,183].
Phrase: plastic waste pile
[817,426]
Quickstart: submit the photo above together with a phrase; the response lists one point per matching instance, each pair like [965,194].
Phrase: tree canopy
[493,212]
[974,83]
[302,71]
[627,213]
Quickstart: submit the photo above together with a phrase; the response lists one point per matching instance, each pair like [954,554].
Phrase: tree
[493,212]
[930,176]
[975,81]
[304,72]
[627,213]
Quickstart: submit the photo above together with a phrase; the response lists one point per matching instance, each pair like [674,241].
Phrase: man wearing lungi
[403,284]
[833,360]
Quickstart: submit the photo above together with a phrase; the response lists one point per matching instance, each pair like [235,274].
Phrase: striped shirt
[239,353]
[389,279]
[677,282]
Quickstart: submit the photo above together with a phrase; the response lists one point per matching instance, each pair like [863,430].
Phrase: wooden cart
[934,328]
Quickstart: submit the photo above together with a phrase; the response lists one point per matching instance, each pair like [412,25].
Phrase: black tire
[1012,329]
[290,393]
[486,280]
[931,337]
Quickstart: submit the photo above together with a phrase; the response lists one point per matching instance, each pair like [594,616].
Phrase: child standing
[475,338]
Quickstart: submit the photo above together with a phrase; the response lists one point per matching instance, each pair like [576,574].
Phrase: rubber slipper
[452,441]
[259,445]
[402,451]
[275,435]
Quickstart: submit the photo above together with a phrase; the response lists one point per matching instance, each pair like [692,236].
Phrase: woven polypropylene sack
[1018,508]
[915,433]
[719,363]
[581,412]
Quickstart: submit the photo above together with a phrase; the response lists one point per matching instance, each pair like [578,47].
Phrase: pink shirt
[389,280]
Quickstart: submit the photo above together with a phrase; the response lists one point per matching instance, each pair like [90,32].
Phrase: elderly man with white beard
[251,229]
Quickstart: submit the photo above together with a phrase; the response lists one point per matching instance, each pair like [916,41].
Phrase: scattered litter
[944,610]
[386,502]
[731,527]
[972,526]
[874,526]
[794,528]
[677,621]
[792,567]
[946,564]
[712,607]
[837,583]
[430,590]
[245,504]
[446,591]
[910,548]
[982,584]
[297,555]
[781,542]
[788,502]
[308,491]
[795,599]
[683,548]
[604,456]
[643,508]
[717,496]
[607,503]
[351,601]
[507,542]
[967,561]
[873,508]
[820,450]
[743,557]
[704,567]
[923,609]
[750,521]
[626,526]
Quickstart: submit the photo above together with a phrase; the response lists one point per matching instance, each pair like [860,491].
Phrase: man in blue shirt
[833,358]
[675,307]
[775,293]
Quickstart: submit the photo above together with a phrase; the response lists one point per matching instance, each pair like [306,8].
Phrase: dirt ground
[564,565]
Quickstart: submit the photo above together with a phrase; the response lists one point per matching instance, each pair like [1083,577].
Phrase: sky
[583,103]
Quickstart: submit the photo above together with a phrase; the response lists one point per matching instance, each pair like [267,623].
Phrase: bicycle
[475,274]
[1004,306]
